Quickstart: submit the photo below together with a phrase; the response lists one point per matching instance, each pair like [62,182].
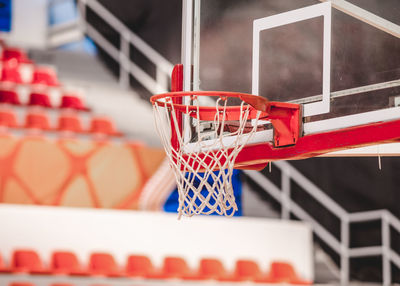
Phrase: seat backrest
[9,96]
[102,263]
[39,99]
[64,261]
[282,272]
[46,76]
[69,122]
[139,265]
[21,284]
[27,260]
[102,125]
[14,53]
[8,118]
[37,120]
[211,268]
[72,101]
[247,269]
[10,72]
[175,266]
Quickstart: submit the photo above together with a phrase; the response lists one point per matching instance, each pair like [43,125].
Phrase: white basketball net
[202,188]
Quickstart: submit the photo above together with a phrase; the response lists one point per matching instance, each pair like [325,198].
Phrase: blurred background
[77,137]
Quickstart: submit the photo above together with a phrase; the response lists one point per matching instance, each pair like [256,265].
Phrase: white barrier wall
[157,235]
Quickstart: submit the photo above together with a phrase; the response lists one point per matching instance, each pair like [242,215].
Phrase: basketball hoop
[203,165]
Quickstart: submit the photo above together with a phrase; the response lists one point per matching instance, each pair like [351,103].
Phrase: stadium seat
[70,122]
[37,120]
[45,76]
[8,118]
[211,268]
[283,272]
[39,99]
[3,267]
[15,53]
[103,125]
[72,102]
[247,270]
[27,261]
[103,264]
[139,265]
[62,284]
[175,267]
[65,262]
[10,72]
[9,97]
[21,284]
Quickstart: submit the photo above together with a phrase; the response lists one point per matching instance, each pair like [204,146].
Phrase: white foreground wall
[157,235]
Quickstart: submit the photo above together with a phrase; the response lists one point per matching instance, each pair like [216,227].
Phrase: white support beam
[366,16]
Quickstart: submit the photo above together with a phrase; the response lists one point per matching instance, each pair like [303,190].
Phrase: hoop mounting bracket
[286,120]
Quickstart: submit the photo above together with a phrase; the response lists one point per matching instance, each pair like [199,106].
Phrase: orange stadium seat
[283,272]
[247,270]
[62,284]
[211,268]
[70,122]
[37,120]
[21,284]
[39,99]
[27,261]
[3,267]
[65,262]
[8,118]
[72,102]
[103,125]
[103,264]
[9,96]
[45,76]
[175,267]
[139,265]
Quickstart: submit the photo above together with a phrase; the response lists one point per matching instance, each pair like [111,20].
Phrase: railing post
[285,199]
[344,252]
[82,13]
[386,268]
[124,59]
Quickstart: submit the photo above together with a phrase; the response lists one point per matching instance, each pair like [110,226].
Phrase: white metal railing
[340,246]
[122,54]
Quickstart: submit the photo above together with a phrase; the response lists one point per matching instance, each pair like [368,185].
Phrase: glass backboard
[339,59]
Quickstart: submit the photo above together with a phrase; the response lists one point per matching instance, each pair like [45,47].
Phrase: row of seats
[31,284]
[68,101]
[67,121]
[104,264]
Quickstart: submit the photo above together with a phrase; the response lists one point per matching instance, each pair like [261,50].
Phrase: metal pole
[386,269]
[124,59]
[285,195]
[344,252]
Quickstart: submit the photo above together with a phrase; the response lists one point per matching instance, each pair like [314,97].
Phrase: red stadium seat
[27,261]
[3,267]
[9,96]
[247,270]
[175,267]
[103,264]
[10,72]
[65,262]
[211,268]
[103,125]
[283,272]
[39,99]
[8,118]
[139,265]
[15,53]
[62,284]
[72,102]
[45,76]
[37,120]
[70,122]
[21,284]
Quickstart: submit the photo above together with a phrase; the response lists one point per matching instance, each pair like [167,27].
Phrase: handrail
[340,246]
[127,38]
